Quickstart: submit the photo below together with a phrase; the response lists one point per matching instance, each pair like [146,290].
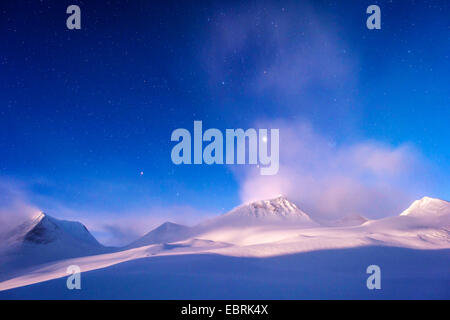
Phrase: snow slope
[324,274]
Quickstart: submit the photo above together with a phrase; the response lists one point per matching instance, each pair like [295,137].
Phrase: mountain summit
[277,208]
[44,238]
[44,229]
[428,207]
[349,220]
[167,232]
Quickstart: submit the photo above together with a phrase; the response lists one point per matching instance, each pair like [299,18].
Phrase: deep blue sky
[83,112]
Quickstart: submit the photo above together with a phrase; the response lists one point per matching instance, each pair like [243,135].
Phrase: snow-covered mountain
[427,214]
[277,208]
[167,232]
[44,238]
[428,208]
[272,212]
[276,232]
[44,229]
[346,221]
[255,222]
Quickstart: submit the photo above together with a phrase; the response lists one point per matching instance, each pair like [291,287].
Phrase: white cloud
[14,207]
[329,180]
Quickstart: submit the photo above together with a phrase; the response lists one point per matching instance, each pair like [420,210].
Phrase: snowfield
[263,250]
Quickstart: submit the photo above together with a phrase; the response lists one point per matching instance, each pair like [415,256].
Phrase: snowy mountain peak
[38,217]
[427,207]
[43,238]
[44,229]
[169,226]
[166,232]
[279,207]
[346,221]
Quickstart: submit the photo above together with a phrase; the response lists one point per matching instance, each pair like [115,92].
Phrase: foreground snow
[329,274]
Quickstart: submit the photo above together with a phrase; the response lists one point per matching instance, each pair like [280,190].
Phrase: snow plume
[14,206]
[330,180]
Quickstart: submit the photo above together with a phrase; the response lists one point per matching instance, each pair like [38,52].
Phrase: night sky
[364,115]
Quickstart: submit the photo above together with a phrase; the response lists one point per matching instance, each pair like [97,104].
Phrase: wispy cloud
[265,48]
[14,206]
[331,180]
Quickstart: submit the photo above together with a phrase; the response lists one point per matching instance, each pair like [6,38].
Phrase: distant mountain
[272,211]
[44,229]
[350,220]
[279,207]
[427,208]
[256,222]
[167,232]
[44,238]
[427,217]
